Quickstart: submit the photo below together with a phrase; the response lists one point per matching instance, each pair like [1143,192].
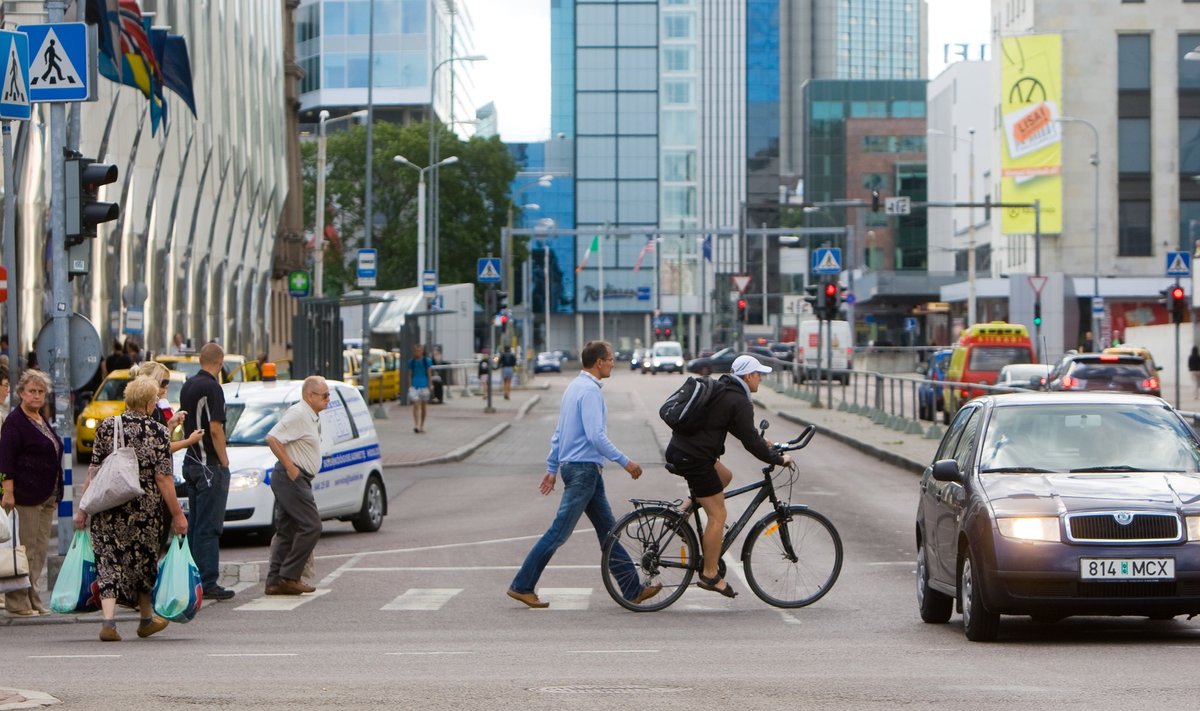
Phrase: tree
[473,200]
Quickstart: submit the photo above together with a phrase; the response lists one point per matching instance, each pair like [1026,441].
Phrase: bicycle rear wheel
[792,559]
[649,546]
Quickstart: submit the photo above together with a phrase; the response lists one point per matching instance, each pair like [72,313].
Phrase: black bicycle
[791,557]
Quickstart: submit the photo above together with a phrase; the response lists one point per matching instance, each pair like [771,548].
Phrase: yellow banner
[1031,148]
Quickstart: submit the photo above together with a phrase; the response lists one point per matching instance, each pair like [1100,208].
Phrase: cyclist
[696,457]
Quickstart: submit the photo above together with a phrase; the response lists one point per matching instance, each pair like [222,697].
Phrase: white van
[666,355]
[810,351]
[349,486]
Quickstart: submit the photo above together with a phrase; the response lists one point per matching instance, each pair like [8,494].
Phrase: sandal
[711,584]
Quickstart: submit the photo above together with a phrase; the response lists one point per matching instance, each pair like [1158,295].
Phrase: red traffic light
[831,289]
[1177,293]
[741,303]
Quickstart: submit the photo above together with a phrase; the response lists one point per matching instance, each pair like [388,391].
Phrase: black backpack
[684,409]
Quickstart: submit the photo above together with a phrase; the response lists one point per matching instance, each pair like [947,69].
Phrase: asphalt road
[416,616]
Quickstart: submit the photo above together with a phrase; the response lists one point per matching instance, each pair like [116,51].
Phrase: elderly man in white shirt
[296,441]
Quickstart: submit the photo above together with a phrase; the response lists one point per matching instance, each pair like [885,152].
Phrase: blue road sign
[367,268]
[62,61]
[827,260]
[14,97]
[910,324]
[488,270]
[643,293]
[1179,264]
[429,281]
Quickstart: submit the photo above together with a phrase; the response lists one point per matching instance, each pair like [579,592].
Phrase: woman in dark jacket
[31,462]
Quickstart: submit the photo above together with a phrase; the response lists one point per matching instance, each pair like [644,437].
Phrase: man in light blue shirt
[577,451]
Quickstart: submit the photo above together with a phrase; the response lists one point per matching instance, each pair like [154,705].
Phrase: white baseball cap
[747,364]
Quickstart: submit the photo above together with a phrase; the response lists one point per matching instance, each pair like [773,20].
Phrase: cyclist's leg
[714,531]
[579,481]
[600,514]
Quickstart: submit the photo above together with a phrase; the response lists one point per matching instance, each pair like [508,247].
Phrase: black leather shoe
[218,593]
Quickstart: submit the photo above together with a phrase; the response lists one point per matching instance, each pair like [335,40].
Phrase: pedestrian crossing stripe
[422,599]
[435,599]
[14,91]
[51,66]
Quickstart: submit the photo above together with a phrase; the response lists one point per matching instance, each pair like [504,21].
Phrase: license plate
[1127,568]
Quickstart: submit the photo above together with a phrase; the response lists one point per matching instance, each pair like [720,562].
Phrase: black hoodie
[729,412]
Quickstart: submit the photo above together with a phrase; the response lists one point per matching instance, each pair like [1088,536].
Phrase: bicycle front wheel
[792,558]
[648,547]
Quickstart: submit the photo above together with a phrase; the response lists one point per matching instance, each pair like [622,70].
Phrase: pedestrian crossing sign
[488,271]
[827,260]
[14,96]
[1179,264]
[62,61]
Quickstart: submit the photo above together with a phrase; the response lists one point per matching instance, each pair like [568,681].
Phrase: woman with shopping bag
[126,538]
[31,462]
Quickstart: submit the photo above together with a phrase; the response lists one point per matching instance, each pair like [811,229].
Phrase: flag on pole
[106,15]
[594,248]
[646,249]
[707,248]
[172,54]
[136,61]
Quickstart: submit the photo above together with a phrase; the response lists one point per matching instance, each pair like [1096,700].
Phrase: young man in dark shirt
[696,457]
[206,467]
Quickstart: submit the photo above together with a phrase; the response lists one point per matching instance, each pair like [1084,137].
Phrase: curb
[23,699]
[898,460]
[466,450]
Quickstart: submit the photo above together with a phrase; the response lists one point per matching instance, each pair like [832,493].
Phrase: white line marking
[612,651]
[74,656]
[460,568]
[422,599]
[279,603]
[566,598]
[329,579]
[421,654]
[419,549]
[892,562]
[254,654]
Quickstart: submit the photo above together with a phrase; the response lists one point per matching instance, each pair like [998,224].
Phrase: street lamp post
[1095,161]
[506,251]
[319,240]
[971,311]
[433,152]
[421,206]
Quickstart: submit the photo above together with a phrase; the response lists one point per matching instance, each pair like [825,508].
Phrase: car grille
[1141,528]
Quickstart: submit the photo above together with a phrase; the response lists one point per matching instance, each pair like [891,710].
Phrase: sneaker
[155,624]
[109,634]
[218,593]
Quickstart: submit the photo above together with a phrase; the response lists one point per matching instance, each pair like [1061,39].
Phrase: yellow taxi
[383,371]
[1138,351]
[235,369]
[109,400]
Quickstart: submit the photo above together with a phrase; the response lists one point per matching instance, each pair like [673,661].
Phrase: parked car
[109,400]
[666,356]
[1103,371]
[349,486]
[1052,505]
[719,362]
[930,397]
[783,351]
[1027,376]
[547,362]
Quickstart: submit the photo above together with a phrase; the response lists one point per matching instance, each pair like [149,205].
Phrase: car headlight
[90,423]
[1193,528]
[1030,529]
[245,479]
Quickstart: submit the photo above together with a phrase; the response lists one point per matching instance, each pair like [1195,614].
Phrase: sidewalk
[454,428]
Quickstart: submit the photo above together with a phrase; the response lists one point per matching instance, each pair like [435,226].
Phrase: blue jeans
[583,492]
[208,490]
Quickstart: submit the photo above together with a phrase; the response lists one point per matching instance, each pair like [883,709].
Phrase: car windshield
[668,350]
[112,389]
[247,425]
[993,358]
[1109,371]
[1081,437]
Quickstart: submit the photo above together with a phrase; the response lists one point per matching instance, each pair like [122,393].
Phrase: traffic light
[1037,314]
[83,178]
[741,310]
[874,201]
[1178,304]
[503,318]
[832,299]
[501,300]
[814,302]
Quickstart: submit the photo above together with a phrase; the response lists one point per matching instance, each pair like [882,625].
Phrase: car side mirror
[947,470]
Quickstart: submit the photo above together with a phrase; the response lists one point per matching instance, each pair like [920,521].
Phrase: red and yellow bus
[982,350]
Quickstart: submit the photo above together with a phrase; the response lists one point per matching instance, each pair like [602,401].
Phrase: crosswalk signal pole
[490,311]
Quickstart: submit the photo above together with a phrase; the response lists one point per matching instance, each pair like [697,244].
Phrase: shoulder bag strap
[118,433]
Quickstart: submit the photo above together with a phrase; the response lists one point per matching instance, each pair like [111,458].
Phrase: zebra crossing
[437,599]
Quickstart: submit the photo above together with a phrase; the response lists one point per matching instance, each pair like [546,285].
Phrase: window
[677,91]
[1189,69]
[677,59]
[679,166]
[1189,146]
[637,113]
[1133,145]
[595,25]
[1133,62]
[1133,239]
[597,113]
[677,26]
[334,21]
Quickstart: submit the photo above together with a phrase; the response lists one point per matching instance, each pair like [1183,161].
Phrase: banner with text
[1031,149]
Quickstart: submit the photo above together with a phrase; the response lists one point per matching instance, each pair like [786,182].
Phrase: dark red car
[1103,371]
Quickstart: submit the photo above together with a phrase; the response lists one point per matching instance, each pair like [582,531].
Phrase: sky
[515,36]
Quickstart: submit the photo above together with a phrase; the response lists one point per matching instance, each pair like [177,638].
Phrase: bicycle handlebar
[800,442]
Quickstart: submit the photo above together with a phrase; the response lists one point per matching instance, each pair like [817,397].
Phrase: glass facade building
[200,199]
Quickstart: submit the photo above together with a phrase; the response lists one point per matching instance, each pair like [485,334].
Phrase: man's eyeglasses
[323,396]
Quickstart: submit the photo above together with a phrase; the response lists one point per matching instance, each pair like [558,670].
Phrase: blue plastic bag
[77,588]
[178,592]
